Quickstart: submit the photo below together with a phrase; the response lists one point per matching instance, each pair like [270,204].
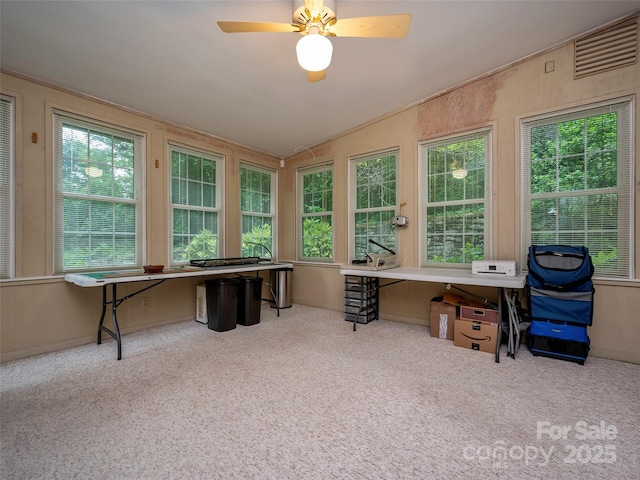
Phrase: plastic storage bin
[360,299]
[222,304]
[249,300]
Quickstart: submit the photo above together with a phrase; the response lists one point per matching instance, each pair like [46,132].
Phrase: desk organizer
[360,299]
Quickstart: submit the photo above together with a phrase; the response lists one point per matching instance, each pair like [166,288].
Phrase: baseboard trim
[84,340]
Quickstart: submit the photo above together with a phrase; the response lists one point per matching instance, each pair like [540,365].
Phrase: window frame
[486,132]
[139,140]
[301,215]
[625,107]
[7,201]
[353,210]
[218,209]
[259,249]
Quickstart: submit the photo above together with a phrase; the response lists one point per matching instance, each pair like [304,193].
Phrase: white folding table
[113,278]
[448,277]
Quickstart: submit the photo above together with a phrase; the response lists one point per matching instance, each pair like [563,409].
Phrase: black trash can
[249,300]
[222,304]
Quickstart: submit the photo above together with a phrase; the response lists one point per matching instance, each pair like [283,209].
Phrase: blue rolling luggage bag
[559,340]
[560,301]
[560,286]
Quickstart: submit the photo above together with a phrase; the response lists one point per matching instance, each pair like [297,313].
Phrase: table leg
[115,303]
[115,333]
[499,338]
[104,310]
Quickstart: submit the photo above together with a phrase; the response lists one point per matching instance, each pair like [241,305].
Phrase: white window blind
[7,166]
[257,208]
[456,192]
[315,221]
[98,206]
[373,202]
[577,168]
[196,193]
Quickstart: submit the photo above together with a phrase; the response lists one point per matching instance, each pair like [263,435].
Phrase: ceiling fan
[316,21]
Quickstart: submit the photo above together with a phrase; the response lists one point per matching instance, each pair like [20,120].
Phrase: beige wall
[40,312]
[45,313]
[499,100]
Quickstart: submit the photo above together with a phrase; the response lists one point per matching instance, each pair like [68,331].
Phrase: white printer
[494,267]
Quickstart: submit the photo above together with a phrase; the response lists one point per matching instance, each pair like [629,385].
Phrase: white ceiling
[169,59]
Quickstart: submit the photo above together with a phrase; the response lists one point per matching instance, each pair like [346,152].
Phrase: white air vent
[612,48]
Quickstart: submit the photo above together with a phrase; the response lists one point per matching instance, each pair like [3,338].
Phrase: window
[456,198]
[98,209]
[576,184]
[195,204]
[315,190]
[257,208]
[7,159]
[373,202]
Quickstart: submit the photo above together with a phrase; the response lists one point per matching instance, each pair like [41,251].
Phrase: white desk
[447,276]
[113,278]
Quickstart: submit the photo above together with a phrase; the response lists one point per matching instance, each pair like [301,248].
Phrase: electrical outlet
[145,302]
[549,66]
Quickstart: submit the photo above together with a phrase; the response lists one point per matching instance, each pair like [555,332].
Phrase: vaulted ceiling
[170,60]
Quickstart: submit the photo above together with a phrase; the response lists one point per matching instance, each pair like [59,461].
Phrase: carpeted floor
[302,396]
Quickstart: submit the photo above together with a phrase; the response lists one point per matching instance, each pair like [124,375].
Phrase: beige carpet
[303,396]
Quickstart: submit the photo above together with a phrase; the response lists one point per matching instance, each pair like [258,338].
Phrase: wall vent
[612,48]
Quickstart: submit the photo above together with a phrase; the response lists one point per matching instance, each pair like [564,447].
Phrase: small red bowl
[153,268]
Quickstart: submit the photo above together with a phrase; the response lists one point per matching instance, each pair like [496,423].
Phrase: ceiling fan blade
[316,76]
[244,27]
[315,7]
[385,26]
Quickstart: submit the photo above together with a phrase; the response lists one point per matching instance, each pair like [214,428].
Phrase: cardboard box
[476,335]
[479,314]
[443,316]
[201,303]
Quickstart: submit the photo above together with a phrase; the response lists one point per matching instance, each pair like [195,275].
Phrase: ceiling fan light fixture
[314,52]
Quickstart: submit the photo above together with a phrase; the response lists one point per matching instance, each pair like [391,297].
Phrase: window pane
[454,173]
[316,239]
[571,173]
[456,234]
[101,217]
[194,191]
[256,235]
[375,185]
[196,223]
[208,195]
[474,184]
[194,194]
[93,161]
[454,189]
[374,225]
[543,176]
[256,204]
[602,170]
[209,171]
[194,168]
[602,132]
[578,170]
